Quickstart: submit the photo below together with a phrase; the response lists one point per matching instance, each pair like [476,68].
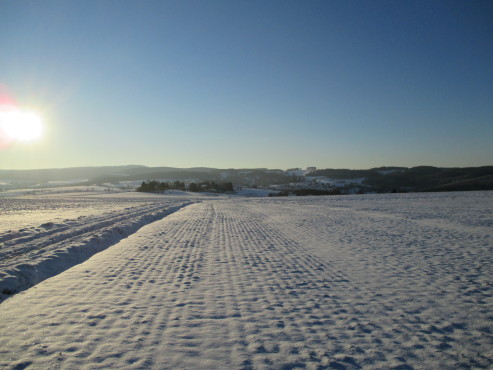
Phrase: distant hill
[62,174]
[422,178]
[109,174]
[381,179]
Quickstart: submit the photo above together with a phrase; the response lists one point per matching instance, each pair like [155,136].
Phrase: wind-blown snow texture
[89,225]
[384,281]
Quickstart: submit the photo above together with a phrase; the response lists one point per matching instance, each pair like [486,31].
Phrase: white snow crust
[396,281]
[41,236]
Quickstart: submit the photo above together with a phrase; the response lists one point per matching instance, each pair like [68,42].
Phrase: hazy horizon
[303,167]
[236,168]
[276,84]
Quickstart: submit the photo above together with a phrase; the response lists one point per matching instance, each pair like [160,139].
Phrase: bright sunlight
[20,125]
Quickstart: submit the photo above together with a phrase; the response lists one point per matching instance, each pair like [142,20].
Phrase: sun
[20,125]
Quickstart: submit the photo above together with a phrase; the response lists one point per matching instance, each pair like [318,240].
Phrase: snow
[66,182]
[41,236]
[396,281]
[84,190]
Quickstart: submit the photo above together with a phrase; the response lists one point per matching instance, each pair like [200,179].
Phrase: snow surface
[43,235]
[401,281]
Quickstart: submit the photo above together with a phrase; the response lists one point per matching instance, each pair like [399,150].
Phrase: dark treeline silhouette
[422,178]
[208,186]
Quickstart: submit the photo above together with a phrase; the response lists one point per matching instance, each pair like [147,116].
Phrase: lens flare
[18,125]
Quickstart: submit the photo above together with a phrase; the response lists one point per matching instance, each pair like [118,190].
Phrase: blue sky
[277,84]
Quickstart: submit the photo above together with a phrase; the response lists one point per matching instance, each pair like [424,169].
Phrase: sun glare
[20,125]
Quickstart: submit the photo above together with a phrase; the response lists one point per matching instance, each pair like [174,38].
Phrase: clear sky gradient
[243,84]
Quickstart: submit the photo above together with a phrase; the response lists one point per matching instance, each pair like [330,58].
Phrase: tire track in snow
[26,260]
[226,284]
[15,246]
[108,311]
[417,281]
[261,301]
[284,294]
[208,286]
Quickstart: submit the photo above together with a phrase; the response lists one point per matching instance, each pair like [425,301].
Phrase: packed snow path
[267,284]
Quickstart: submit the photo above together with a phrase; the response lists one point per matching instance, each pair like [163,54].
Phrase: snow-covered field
[42,235]
[345,282]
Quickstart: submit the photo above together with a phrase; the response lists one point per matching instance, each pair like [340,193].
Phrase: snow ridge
[27,258]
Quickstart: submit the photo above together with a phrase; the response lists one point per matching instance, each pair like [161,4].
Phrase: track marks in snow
[28,258]
[417,282]
[282,295]
[109,311]
[251,285]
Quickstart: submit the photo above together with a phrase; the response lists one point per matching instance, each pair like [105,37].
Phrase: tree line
[206,186]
